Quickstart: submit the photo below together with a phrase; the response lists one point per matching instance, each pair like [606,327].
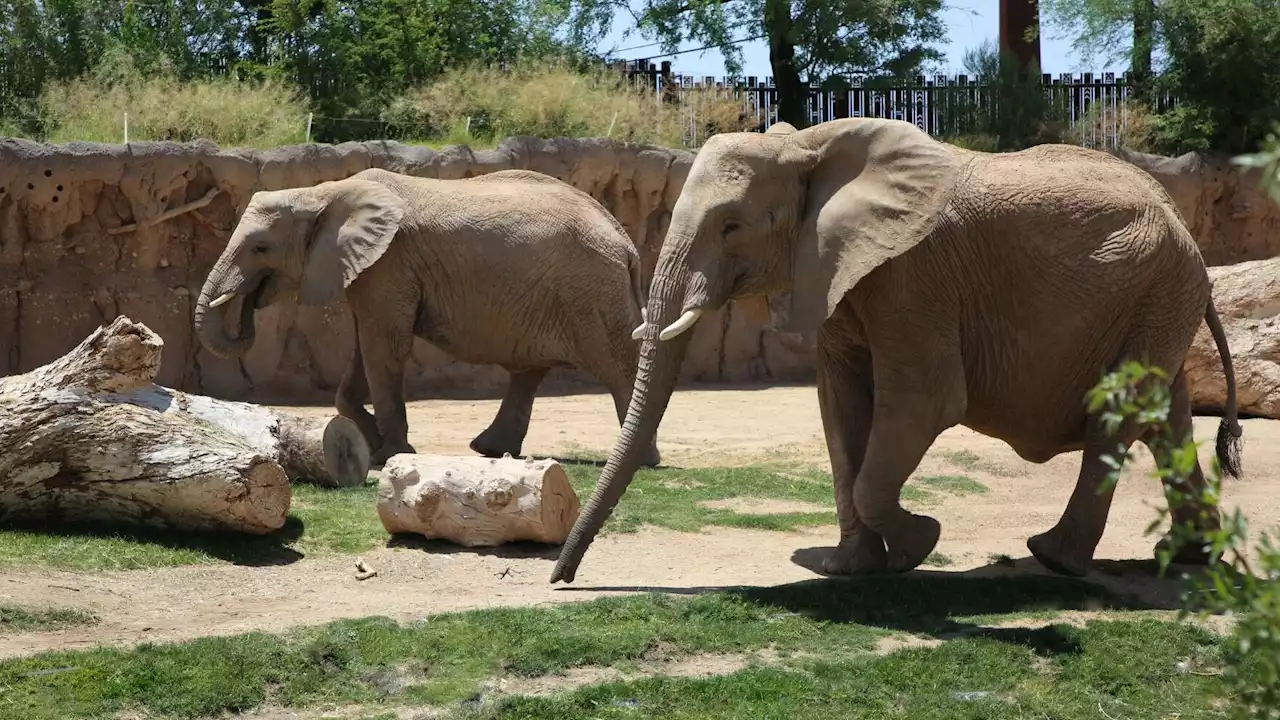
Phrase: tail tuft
[1228,448]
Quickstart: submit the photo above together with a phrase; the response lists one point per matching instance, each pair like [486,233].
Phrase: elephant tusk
[685,322]
[644,314]
[639,331]
[222,299]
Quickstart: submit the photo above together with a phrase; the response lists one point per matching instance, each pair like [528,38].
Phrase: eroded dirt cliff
[66,266]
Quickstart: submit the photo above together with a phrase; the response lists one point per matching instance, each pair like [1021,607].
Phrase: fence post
[309,118]
[126,128]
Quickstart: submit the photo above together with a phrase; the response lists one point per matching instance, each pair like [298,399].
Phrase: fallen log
[476,501]
[82,441]
[329,453]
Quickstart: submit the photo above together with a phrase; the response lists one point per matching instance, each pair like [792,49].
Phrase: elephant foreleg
[919,392]
[385,352]
[506,433]
[845,398]
[353,393]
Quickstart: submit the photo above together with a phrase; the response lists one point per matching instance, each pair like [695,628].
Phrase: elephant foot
[1061,554]
[1192,552]
[495,443]
[862,552]
[652,458]
[380,456]
[913,542]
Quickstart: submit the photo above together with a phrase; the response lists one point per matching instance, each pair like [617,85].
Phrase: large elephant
[941,287]
[513,268]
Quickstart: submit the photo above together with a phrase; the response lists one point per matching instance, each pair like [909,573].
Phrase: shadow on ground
[233,547]
[512,551]
[950,604]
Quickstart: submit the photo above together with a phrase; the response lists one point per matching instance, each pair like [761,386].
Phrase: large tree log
[81,441]
[476,501]
[1247,297]
[329,453]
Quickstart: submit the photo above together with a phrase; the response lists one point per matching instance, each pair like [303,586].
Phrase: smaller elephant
[513,268]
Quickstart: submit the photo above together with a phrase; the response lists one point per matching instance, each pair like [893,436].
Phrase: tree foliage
[810,41]
[1223,65]
[349,56]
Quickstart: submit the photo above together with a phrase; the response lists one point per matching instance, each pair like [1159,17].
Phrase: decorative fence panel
[1092,105]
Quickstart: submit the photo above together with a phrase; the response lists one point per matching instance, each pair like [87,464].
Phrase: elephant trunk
[224,278]
[656,374]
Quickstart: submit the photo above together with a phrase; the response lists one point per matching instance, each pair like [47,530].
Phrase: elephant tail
[1227,446]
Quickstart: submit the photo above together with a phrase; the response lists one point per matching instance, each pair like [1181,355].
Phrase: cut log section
[83,441]
[476,501]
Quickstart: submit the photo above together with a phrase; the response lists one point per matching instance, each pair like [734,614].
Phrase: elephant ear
[874,190]
[354,228]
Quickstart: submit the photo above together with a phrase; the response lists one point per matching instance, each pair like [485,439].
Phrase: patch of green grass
[825,627]
[937,559]
[958,485]
[968,460]
[439,660]
[326,521]
[16,618]
[1128,669]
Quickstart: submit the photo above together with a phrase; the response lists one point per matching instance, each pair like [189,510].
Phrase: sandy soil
[702,427]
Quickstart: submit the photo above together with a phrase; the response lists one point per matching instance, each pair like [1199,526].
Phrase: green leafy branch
[1139,396]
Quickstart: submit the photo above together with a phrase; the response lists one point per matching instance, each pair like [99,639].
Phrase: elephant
[940,287]
[513,268]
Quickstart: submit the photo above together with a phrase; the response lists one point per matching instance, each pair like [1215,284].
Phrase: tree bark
[793,94]
[88,438]
[1144,23]
[475,501]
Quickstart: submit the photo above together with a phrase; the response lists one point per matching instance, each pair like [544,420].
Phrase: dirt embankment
[63,271]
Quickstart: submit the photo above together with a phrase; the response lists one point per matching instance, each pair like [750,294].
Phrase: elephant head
[309,242]
[809,213]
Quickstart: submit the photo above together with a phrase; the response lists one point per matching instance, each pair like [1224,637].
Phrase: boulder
[1247,297]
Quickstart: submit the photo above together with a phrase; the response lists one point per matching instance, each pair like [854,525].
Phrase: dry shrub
[1130,122]
[481,105]
[227,111]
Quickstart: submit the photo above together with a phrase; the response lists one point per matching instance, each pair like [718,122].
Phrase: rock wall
[63,271]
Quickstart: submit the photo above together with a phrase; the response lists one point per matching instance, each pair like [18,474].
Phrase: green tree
[1111,30]
[1223,66]
[810,41]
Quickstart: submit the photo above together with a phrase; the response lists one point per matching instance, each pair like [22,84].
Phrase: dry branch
[171,213]
[476,501]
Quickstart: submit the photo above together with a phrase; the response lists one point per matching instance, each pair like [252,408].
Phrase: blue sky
[969,22]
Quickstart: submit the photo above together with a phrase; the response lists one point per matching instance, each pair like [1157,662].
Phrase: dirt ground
[702,427]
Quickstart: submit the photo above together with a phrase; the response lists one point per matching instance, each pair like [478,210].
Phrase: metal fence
[1093,106]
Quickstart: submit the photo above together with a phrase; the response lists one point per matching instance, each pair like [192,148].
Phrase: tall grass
[228,111]
[1130,122]
[476,105]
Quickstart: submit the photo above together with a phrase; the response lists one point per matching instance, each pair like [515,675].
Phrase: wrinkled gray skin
[512,268]
[942,287]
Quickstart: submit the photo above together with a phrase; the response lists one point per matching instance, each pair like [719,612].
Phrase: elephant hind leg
[1068,547]
[1197,518]
[505,435]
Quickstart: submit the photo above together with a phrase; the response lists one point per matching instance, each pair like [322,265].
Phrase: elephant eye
[730,226]
[260,249]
